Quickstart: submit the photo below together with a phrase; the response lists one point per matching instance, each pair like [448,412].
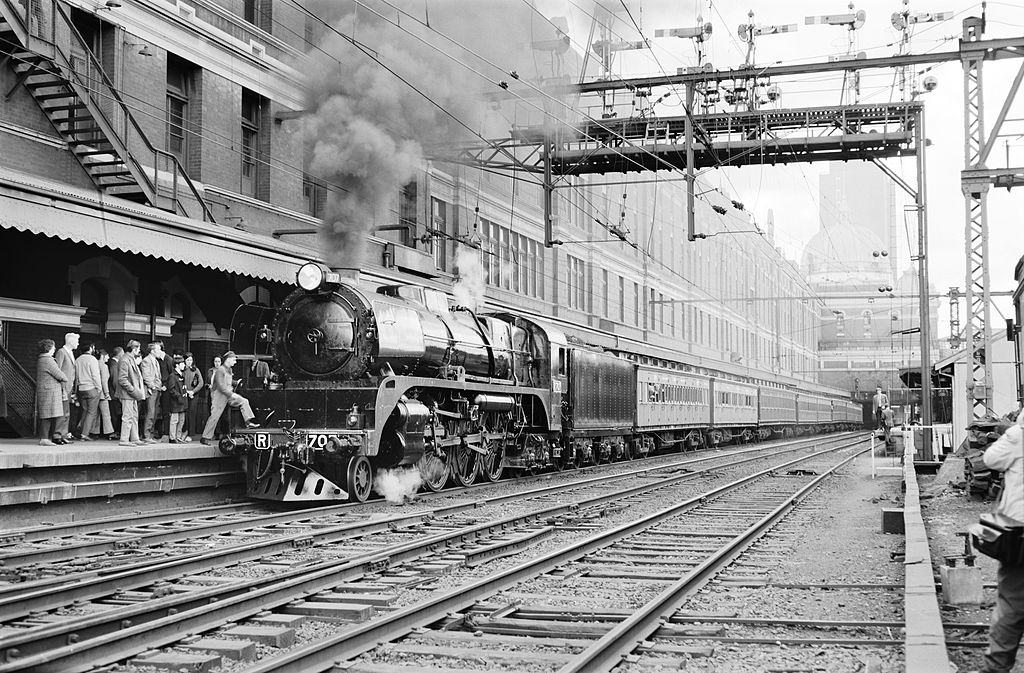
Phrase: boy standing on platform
[177,402]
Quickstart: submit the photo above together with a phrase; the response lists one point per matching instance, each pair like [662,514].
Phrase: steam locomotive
[399,378]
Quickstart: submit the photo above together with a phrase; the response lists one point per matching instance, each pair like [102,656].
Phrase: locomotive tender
[399,377]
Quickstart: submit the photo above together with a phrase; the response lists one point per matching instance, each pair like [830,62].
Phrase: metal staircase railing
[64,76]
[20,389]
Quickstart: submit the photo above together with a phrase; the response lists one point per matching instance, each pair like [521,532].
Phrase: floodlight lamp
[312,277]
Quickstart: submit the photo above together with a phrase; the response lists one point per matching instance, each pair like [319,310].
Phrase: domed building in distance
[869,310]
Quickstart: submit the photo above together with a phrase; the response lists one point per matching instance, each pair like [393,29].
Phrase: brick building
[153,177]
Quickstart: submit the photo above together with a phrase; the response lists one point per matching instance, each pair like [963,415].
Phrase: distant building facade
[870,312]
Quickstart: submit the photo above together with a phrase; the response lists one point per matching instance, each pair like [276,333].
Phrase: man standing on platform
[115,401]
[151,376]
[65,358]
[90,389]
[878,402]
[223,391]
[1007,456]
[130,390]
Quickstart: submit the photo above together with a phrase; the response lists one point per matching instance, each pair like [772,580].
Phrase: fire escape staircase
[57,66]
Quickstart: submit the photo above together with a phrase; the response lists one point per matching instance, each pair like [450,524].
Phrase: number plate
[318,440]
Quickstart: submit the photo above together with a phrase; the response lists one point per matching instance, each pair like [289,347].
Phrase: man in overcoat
[65,358]
[130,390]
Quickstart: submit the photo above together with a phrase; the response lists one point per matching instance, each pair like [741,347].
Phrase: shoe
[85,438]
[204,441]
[185,440]
[149,441]
[126,444]
[68,439]
[47,442]
[138,443]
[113,438]
[172,441]
[252,424]
[60,441]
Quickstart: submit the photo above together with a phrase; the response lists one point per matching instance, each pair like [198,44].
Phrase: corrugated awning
[31,205]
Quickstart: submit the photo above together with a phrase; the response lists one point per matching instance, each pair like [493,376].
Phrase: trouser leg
[129,421]
[103,425]
[90,401]
[1007,620]
[215,412]
[64,421]
[46,428]
[242,404]
[152,405]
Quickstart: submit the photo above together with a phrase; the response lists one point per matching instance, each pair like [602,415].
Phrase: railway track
[100,546]
[120,615]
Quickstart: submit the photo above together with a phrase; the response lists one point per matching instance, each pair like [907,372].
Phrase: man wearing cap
[223,395]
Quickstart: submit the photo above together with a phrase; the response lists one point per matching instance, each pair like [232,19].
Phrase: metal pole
[922,274]
[548,191]
[690,180]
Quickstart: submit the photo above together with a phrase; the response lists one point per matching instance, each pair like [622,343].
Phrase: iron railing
[50,32]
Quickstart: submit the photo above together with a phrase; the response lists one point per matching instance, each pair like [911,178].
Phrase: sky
[792,192]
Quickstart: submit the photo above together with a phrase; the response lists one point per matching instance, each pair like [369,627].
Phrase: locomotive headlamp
[312,276]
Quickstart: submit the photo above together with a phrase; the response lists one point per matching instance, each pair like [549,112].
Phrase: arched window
[840,323]
[867,315]
[94,299]
[257,294]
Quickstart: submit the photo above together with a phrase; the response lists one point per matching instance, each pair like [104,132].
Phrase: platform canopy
[32,205]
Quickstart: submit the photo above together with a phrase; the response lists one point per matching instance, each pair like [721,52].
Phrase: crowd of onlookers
[133,395]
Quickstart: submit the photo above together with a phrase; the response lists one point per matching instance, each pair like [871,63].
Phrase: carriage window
[561,362]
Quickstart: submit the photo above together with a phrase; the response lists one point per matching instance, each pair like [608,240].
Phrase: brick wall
[144,85]
[285,152]
[221,114]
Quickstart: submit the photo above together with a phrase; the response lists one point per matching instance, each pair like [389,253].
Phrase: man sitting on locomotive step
[224,395]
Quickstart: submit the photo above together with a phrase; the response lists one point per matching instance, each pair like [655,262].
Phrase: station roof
[38,206]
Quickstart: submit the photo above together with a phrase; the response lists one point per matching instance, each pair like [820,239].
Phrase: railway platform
[62,483]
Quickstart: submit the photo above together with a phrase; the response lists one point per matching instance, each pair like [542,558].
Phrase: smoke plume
[470,284]
[398,486]
[368,128]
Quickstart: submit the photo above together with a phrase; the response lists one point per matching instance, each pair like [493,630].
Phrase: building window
[622,299]
[250,142]
[576,282]
[178,93]
[636,304]
[314,195]
[604,293]
[840,323]
[439,224]
[258,13]
[867,324]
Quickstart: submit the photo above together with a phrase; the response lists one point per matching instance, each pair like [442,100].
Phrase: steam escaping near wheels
[398,486]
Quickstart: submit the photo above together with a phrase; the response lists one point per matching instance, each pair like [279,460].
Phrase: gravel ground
[834,538]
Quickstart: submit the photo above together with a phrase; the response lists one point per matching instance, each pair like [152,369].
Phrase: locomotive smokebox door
[320,334]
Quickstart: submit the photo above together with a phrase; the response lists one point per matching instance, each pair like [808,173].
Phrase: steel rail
[609,650]
[108,637]
[18,559]
[82,549]
[323,655]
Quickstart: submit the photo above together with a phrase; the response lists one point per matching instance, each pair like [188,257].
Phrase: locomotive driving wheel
[434,470]
[492,462]
[359,478]
[463,464]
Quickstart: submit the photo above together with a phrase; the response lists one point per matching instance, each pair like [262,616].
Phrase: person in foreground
[1007,456]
